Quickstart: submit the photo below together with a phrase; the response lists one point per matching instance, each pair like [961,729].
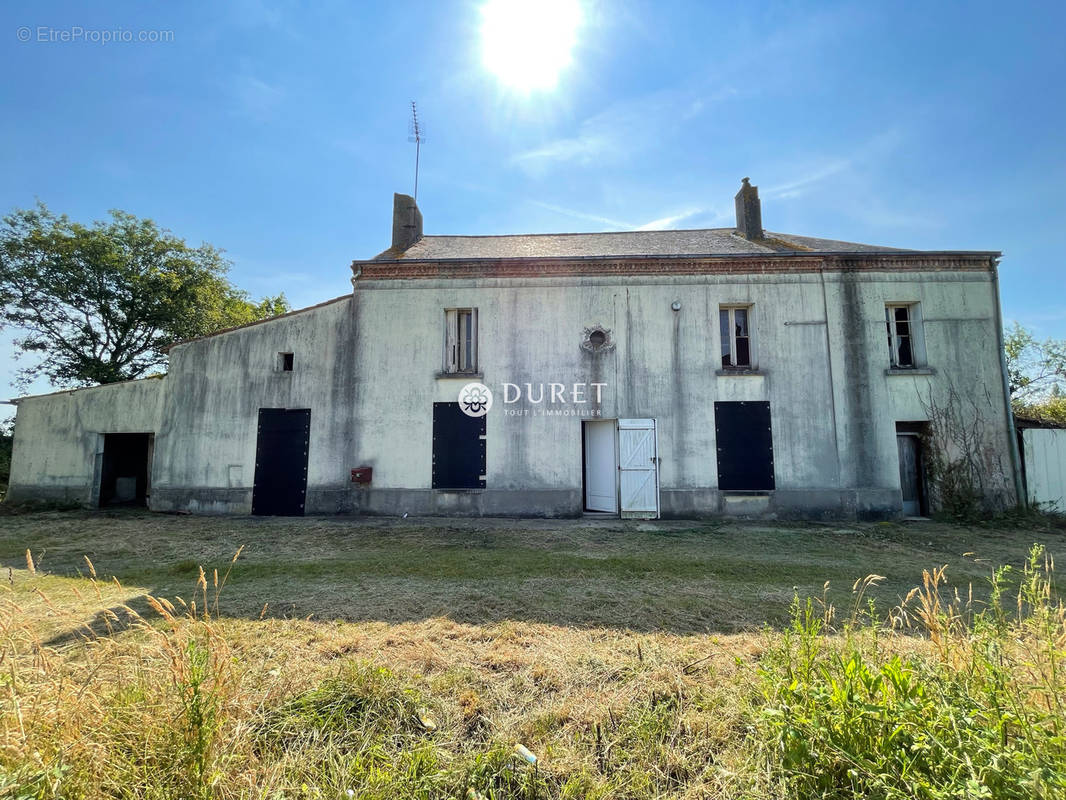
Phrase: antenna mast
[417,135]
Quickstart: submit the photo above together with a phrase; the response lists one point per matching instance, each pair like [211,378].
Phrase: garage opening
[126,469]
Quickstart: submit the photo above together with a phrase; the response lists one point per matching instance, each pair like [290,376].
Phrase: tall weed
[978,712]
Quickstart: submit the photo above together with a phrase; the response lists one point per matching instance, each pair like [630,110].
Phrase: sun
[526,44]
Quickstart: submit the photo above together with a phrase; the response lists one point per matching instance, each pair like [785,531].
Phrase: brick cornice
[673,265]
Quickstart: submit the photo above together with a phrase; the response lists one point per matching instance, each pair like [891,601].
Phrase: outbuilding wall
[1045,466]
[59,438]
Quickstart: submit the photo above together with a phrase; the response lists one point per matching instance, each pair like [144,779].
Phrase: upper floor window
[735,325]
[902,320]
[460,340]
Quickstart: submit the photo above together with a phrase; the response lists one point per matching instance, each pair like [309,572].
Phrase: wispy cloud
[621,130]
[255,96]
[818,169]
[588,146]
[703,216]
[666,223]
[573,214]
[799,186]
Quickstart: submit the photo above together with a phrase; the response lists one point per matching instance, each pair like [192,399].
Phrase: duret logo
[475,399]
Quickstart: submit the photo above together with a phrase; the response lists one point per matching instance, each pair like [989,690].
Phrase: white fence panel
[1045,466]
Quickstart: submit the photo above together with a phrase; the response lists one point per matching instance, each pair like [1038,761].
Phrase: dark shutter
[280,487]
[745,446]
[458,449]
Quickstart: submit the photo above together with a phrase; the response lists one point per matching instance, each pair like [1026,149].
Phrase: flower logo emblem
[475,399]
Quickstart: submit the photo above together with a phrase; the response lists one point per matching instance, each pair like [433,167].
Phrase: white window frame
[914,324]
[731,310]
[460,352]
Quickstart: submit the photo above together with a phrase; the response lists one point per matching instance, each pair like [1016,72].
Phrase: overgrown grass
[979,714]
[109,690]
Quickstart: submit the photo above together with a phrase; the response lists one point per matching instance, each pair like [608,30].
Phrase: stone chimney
[407,222]
[749,213]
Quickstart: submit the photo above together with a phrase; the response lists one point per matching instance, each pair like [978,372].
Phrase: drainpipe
[1015,456]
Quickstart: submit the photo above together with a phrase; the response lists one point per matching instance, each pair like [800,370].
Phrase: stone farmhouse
[678,373]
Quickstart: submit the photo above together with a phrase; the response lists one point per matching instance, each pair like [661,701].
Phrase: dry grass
[626,657]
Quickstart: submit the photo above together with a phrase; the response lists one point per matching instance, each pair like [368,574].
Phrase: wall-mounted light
[676,305]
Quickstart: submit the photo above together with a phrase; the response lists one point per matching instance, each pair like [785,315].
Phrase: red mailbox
[362,474]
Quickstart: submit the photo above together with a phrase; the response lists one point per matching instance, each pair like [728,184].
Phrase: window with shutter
[460,340]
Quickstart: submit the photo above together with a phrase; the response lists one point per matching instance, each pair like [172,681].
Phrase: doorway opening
[599,444]
[621,468]
[125,472]
[912,481]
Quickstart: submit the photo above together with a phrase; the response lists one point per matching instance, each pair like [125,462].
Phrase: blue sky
[279,133]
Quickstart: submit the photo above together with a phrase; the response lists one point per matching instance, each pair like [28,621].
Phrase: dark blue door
[745,446]
[280,487]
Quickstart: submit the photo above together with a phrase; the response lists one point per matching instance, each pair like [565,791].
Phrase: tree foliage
[101,303]
[1037,374]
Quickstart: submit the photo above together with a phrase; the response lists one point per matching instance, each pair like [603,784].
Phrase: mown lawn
[678,577]
[406,658]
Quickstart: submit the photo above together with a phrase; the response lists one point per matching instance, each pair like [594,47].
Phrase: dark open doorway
[912,481]
[125,472]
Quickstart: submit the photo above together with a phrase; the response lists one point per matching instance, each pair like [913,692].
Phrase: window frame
[730,309]
[460,352]
[913,334]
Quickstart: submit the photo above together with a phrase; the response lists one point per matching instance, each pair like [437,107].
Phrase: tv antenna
[417,134]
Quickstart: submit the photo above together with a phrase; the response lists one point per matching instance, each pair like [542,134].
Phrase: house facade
[643,374]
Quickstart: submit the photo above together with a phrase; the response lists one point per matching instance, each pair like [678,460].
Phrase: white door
[601,466]
[638,468]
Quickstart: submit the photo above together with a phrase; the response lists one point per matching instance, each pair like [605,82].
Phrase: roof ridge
[567,233]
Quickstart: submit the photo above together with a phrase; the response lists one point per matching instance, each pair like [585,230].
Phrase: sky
[279,132]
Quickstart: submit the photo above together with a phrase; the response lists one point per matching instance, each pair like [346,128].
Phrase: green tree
[1033,367]
[101,303]
[1037,374]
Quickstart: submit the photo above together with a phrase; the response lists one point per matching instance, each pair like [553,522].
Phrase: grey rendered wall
[58,442]
[822,357]
[368,368]
[205,451]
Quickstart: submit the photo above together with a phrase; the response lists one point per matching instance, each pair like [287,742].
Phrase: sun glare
[527,43]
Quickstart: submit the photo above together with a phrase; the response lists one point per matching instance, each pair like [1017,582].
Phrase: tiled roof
[713,241]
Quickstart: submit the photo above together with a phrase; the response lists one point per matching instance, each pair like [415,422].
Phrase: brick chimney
[406,222]
[749,213]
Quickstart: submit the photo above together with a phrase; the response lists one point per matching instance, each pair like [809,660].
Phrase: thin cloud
[583,149]
[667,223]
[255,97]
[799,186]
[621,130]
[874,149]
[569,212]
